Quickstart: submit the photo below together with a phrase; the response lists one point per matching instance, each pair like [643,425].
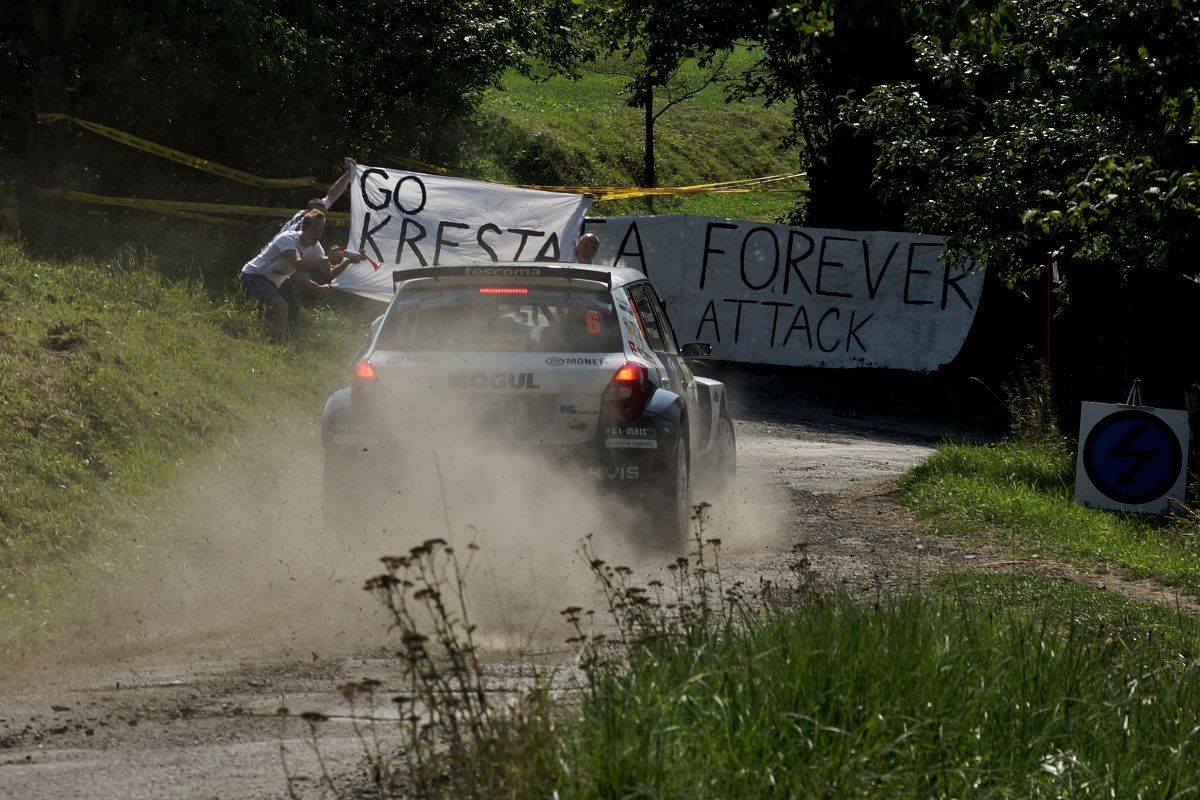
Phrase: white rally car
[577,362]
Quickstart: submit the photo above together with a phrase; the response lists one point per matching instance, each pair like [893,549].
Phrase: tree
[656,39]
[272,86]
[1039,126]
[821,56]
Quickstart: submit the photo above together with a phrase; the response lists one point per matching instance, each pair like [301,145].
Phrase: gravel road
[204,721]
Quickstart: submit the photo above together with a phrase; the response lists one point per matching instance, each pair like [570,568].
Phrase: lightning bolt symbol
[1140,458]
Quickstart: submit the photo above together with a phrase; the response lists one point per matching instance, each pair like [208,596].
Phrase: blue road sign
[1132,457]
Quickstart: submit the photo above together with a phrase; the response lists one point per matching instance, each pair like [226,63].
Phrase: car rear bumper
[628,457]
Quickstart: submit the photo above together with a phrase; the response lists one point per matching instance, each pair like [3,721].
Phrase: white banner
[773,294]
[403,219]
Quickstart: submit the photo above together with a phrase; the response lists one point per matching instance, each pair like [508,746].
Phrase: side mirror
[696,350]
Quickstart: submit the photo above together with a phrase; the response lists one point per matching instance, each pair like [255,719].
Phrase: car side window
[647,309]
[664,322]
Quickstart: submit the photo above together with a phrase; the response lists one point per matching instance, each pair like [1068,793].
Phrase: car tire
[725,463]
[674,520]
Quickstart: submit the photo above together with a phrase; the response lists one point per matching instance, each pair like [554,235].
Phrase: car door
[661,337]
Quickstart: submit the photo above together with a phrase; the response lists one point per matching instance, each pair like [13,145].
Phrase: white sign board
[401,219]
[774,294]
[1130,458]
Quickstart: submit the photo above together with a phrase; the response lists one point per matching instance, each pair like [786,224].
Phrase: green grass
[1020,496]
[114,380]
[947,695]
[563,131]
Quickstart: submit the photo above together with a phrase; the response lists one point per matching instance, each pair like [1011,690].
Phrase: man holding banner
[267,278]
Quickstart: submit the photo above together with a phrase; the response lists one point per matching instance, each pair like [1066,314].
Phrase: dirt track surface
[199,716]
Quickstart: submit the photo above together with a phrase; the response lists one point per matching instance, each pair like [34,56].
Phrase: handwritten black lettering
[487,227]
[404,239]
[873,288]
[775,315]
[444,242]
[854,329]
[368,234]
[737,324]
[793,261]
[420,187]
[710,315]
[822,263]
[949,283]
[800,312]
[549,251]
[709,249]
[909,272]
[632,232]
[821,325]
[387,193]
[774,260]
[524,234]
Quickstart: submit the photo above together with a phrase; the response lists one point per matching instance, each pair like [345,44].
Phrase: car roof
[618,276]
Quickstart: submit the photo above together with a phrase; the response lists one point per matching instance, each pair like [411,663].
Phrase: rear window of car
[507,319]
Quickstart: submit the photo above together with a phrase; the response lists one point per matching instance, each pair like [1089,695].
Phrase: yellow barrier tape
[620,192]
[421,165]
[178,157]
[603,192]
[189,209]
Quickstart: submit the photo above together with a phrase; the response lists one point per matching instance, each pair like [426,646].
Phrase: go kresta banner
[401,219]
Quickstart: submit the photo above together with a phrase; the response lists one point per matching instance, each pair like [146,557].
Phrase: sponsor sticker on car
[631,438]
[575,361]
[616,473]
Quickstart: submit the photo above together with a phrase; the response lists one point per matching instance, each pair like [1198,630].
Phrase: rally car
[578,363]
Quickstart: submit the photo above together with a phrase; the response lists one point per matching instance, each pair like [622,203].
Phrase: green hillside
[114,378]
[563,131]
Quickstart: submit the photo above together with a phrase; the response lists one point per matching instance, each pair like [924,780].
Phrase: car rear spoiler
[502,271]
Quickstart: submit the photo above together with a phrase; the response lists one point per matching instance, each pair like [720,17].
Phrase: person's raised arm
[339,186]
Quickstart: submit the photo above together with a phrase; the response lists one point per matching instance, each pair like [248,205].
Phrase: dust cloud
[243,564]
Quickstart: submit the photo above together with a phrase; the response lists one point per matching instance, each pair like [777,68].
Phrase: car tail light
[626,395]
[503,290]
[364,370]
[362,387]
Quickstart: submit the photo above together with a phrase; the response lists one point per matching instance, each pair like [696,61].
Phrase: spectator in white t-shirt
[290,255]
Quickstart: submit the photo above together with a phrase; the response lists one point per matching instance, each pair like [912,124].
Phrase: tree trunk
[648,178]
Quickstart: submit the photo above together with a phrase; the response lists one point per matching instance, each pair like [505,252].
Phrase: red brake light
[503,290]
[629,372]
[364,371]
[626,395]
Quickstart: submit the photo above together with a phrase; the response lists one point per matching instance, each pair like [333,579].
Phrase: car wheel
[676,521]
[725,466]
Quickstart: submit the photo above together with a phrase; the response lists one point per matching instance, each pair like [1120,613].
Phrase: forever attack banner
[401,219]
[775,294]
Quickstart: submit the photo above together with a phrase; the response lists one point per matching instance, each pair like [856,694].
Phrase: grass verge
[981,685]
[1021,497]
[914,697]
[114,380]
